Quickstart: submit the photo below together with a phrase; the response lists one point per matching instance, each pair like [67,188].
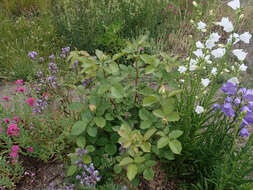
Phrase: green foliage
[120,108]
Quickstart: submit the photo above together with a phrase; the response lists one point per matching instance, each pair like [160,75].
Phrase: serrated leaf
[149,133]
[146,124]
[159,113]
[92,131]
[81,141]
[175,146]
[110,149]
[126,161]
[78,128]
[148,174]
[175,134]
[131,171]
[71,170]
[100,121]
[149,100]
[174,116]
[162,142]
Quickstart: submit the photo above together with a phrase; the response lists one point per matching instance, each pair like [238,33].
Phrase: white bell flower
[214,37]
[214,71]
[199,45]
[199,109]
[234,36]
[245,37]
[182,69]
[205,82]
[219,52]
[240,54]
[235,4]
[201,25]
[234,80]
[243,67]
[198,53]
[226,24]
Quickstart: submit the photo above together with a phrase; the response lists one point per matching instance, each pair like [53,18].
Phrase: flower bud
[92,107]
[195,4]
[162,89]
[211,12]
[241,16]
[192,21]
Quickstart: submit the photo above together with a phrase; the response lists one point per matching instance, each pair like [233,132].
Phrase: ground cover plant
[128,117]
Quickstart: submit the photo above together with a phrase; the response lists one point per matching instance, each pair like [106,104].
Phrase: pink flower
[7,120]
[19,82]
[171,6]
[6,98]
[142,49]
[30,101]
[15,148]
[15,118]
[12,130]
[30,149]
[21,89]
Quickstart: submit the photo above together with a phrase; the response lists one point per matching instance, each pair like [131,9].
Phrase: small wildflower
[15,118]
[7,120]
[199,109]
[243,67]
[229,88]
[30,101]
[198,53]
[201,25]
[19,82]
[32,54]
[12,130]
[182,69]
[6,98]
[235,4]
[234,80]
[205,82]
[227,108]
[226,24]
[216,107]
[30,149]
[199,45]
[245,37]
[219,52]
[244,132]
[214,71]
[240,54]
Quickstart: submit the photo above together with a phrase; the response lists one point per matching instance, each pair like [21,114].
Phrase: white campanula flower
[235,36]
[243,67]
[207,58]
[182,69]
[245,37]
[214,71]
[219,52]
[226,24]
[210,44]
[201,25]
[199,45]
[240,54]
[205,82]
[234,80]
[193,65]
[235,4]
[215,37]
[198,53]
[199,109]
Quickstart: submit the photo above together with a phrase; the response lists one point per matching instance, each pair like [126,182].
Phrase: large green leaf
[81,141]
[148,174]
[144,114]
[114,67]
[117,91]
[175,146]
[100,121]
[139,159]
[175,134]
[162,142]
[149,133]
[146,124]
[71,170]
[100,55]
[159,113]
[174,116]
[131,171]
[146,147]
[149,100]
[86,159]
[78,128]
[126,161]
[92,131]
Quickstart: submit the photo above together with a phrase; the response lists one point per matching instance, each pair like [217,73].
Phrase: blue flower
[227,108]
[229,88]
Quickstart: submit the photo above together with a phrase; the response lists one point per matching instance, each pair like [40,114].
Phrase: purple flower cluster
[89,176]
[52,68]
[241,99]
[64,52]
[32,54]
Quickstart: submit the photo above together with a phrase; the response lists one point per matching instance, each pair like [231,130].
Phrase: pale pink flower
[12,130]
[19,82]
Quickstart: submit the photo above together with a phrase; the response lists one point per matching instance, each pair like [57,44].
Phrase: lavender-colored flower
[250,106]
[242,91]
[244,132]
[51,56]
[32,54]
[229,88]
[249,118]
[237,101]
[227,108]
[228,99]
[216,107]
[124,188]
[245,108]
[63,55]
[75,64]
[52,67]
[65,50]
[248,95]
[41,59]
[39,74]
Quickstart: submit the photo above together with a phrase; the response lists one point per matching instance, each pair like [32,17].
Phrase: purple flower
[51,56]
[237,101]
[244,132]
[249,118]
[41,59]
[39,74]
[229,88]
[227,108]
[250,106]
[248,95]
[32,54]
[245,108]
[216,107]
[242,91]
[228,100]
[52,67]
